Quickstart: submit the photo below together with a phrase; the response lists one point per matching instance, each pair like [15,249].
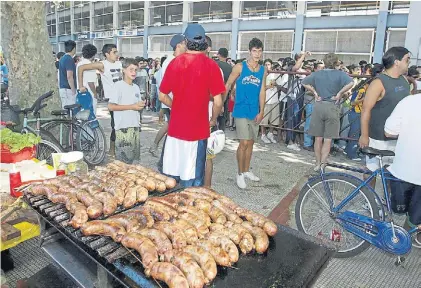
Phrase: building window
[131,14]
[51,25]
[159,46]
[352,46]
[63,5]
[276,44]
[166,13]
[399,7]
[131,47]
[81,16]
[103,15]
[212,11]
[50,7]
[220,40]
[341,8]
[64,25]
[79,46]
[395,38]
[268,9]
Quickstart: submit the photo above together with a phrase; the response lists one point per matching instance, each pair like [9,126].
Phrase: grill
[292,260]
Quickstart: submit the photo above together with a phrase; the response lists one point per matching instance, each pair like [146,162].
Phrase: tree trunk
[28,53]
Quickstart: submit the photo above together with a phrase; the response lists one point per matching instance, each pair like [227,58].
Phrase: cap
[223,52]
[195,33]
[176,39]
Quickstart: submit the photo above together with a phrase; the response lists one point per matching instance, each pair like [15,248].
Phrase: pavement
[282,174]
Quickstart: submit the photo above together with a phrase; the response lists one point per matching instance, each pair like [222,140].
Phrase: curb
[280,214]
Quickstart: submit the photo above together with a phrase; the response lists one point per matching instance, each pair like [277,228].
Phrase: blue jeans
[292,120]
[354,132]
[308,140]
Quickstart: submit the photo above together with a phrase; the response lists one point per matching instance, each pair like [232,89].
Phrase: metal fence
[295,111]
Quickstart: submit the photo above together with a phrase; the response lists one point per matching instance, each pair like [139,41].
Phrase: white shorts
[373,164]
[67,97]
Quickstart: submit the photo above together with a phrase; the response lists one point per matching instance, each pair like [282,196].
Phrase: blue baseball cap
[195,33]
[176,39]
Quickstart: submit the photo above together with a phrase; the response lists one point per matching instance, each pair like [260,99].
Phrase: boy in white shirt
[126,104]
[89,76]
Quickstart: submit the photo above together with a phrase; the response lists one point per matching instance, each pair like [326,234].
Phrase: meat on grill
[104,228]
[189,267]
[204,259]
[176,235]
[170,274]
[144,246]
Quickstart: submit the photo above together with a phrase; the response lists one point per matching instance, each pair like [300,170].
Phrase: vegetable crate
[8,157]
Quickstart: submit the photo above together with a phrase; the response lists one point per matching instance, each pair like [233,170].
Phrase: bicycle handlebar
[36,107]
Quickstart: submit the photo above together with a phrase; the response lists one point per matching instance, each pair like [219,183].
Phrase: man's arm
[341,94]
[236,71]
[71,81]
[313,91]
[164,98]
[216,109]
[300,61]
[374,92]
[92,66]
[93,88]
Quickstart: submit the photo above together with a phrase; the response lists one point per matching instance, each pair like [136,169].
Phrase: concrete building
[356,30]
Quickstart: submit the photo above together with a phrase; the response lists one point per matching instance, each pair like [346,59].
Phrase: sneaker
[294,147]
[356,159]
[154,151]
[271,138]
[250,175]
[265,139]
[241,183]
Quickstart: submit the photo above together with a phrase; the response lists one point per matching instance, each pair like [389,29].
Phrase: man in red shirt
[192,78]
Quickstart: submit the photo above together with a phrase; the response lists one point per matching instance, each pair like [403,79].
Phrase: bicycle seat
[59,112]
[376,152]
[73,106]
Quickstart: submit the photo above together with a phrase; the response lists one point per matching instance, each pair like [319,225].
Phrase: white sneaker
[271,138]
[241,183]
[250,175]
[294,147]
[265,139]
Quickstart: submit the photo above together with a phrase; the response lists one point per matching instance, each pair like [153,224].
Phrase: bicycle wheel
[44,150]
[91,141]
[61,130]
[312,211]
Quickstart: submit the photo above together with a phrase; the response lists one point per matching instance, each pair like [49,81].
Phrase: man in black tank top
[382,96]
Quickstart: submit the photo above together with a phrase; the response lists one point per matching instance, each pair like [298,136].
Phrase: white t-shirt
[88,75]
[126,95]
[163,69]
[405,121]
[113,72]
[272,93]
[283,82]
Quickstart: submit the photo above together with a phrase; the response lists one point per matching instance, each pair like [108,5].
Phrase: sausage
[231,216]
[225,243]
[170,274]
[261,240]
[198,213]
[189,230]
[100,227]
[176,235]
[129,222]
[94,209]
[199,224]
[144,246]
[221,257]
[189,267]
[161,241]
[109,202]
[217,215]
[130,198]
[142,194]
[204,259]
[80,217]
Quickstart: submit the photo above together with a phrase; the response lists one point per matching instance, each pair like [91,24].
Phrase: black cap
[223,52]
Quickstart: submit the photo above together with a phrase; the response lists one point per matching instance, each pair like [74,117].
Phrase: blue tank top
[247,92]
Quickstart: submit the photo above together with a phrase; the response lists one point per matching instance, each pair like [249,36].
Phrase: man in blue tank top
[250,78]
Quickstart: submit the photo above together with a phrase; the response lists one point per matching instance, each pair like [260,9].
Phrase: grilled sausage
[204,259]
[170,274]
[189,267]
[104,228]
[145,248]
[176,235]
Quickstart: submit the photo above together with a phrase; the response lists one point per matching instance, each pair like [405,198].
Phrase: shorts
[271,115]
[127,145]
[167,113]
[372,163]
[246,129]
[67,97]
[406,198]
[185,161]
[325,120]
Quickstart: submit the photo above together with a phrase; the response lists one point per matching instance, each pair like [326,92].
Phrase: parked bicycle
[346,210]
[75,132]
[48,143]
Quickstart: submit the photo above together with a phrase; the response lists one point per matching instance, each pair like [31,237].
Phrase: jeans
[344,126]
[292,120]
[308,140]
[354,132]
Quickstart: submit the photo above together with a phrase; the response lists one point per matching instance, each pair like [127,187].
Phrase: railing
[292,112]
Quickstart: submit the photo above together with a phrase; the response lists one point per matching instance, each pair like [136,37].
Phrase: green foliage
[16,141]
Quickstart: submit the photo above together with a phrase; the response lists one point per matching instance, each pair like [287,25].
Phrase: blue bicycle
[346,210]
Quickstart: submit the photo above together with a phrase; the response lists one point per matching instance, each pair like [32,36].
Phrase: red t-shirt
[192,79]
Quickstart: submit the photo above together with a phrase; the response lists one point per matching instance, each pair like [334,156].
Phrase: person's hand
[363,142]
[139,105]
[258,118]
[337,98]
[308,53]
[317,98]
[82,89]
[212,123]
